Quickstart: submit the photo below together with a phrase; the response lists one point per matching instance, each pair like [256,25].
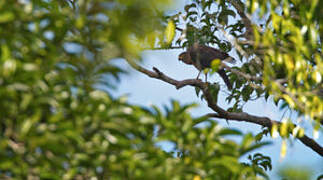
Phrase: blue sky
[142,90]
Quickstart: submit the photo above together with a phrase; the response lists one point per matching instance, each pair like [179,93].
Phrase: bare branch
[159,75]
[266,122]
[165,48]
[179,29]
[220,112]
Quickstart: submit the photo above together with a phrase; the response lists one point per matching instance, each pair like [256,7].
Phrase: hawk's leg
[198,75]
[205,77]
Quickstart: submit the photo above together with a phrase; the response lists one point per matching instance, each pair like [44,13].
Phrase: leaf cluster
[59,119]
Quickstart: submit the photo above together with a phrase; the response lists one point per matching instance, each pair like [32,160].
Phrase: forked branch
[220,112]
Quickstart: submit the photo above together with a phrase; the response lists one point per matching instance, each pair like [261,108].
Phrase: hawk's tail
[225,78]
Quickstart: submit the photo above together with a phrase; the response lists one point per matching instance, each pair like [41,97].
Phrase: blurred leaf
[283,149]
[170,32]
[215,64]
[295,172]
[6,16]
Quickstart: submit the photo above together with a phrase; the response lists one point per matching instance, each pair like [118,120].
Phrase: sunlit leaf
[170,32]
[283,149]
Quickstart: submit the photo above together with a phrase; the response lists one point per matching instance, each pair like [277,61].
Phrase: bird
[201,56]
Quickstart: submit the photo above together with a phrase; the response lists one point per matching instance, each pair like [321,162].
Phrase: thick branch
[221,113]
[159,75]
[266,122]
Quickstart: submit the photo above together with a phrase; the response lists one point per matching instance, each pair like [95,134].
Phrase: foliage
[279,45]
[58,120]
[295,172]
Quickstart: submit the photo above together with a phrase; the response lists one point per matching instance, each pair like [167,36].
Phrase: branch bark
[266,122]
[220,112]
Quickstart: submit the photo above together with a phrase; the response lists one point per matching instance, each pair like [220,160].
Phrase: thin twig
[246,76]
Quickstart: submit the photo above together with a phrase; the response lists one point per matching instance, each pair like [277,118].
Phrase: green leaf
[214,91]
[254,146]
[225,132]
[215,64]
[229,12]
[246,92]
[6,16]
[197,91]
[170,32]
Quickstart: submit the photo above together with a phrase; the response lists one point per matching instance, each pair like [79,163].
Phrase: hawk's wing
[202,57]
[205,55]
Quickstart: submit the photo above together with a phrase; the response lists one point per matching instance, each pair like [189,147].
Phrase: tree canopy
[60,121]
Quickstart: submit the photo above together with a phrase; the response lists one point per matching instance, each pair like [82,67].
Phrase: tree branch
[266,122]
[246,76]
[159,75]
[221,113]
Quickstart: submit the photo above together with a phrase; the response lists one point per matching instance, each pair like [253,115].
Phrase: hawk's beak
[180,58]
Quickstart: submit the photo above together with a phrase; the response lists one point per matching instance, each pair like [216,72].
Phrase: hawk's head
[185,57]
